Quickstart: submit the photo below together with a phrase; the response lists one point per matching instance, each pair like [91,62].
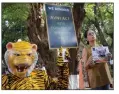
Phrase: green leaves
[14,25]
[89,11]
[15,11]
[99,17]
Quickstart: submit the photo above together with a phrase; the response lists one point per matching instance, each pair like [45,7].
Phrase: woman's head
[90,35]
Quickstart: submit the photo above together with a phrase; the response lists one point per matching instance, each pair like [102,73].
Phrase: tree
[27,21]
[37,34]
[99,17]
[78,14]
[13,23]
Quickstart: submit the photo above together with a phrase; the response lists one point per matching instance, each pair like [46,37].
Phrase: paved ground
[90,89]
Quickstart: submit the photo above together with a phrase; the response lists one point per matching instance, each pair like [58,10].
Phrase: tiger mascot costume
[21,58]
[63,60]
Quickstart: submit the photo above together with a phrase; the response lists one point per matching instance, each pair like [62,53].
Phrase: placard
[60,27]
[99,52]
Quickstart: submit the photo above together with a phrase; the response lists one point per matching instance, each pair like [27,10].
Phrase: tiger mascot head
[21,58]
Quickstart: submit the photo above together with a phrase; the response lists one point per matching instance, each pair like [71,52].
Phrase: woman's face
[91,36]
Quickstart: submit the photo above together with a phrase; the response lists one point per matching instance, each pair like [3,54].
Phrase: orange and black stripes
[38,80]
[63,75]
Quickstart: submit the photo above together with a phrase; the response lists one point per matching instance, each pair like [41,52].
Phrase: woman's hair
[85,35]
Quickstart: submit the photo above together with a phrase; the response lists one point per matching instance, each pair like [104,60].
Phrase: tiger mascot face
[21,58]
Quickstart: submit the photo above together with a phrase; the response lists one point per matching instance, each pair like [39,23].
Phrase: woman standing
[99,77]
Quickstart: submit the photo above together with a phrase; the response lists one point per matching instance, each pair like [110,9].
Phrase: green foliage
[15,11]
[67,4]
[89,11]
[14,18]
[14,26]
[104,14]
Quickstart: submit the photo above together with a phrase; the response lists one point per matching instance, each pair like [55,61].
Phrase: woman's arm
[88,62]
[84,58]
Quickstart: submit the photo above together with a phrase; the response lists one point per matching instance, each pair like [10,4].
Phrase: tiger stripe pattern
[63,60]
[63,75]
[38,80]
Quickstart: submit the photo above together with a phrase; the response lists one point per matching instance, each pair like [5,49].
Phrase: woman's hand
[105,59]
[89,63]
[101,61]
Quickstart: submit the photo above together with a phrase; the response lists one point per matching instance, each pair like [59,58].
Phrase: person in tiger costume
[21,58]
[63,60]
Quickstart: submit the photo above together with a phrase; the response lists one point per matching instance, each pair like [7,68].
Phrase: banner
[60,27]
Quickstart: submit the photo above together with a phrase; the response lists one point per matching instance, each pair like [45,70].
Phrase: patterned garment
[63,68]
[63,75]
[38,80]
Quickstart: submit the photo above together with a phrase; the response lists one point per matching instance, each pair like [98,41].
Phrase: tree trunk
[97,25]
[38,35]
[78,14]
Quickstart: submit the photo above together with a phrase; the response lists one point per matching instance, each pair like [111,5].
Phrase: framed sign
[60,27]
